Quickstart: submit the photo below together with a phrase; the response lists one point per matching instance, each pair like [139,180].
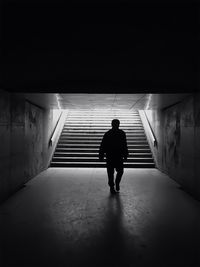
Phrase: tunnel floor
[67,217]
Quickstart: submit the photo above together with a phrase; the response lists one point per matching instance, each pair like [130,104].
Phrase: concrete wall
[5,144]
[33,140]
[177,130]
[50,121]
[25,130]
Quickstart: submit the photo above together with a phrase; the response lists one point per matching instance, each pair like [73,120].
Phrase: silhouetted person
[114,145]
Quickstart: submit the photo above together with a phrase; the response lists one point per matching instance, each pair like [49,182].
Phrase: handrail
[145,121]
[57,128]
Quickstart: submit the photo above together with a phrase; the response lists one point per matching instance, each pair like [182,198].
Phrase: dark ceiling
[112,47]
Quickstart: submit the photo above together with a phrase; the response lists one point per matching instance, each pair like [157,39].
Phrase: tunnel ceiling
[103,101]
[97,47]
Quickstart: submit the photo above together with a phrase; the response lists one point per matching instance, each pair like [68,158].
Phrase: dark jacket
[114,145]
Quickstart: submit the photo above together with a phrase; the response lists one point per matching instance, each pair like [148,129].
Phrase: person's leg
[120,171]
[110,172]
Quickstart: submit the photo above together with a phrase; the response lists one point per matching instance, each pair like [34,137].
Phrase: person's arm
[102,149]
[125,148]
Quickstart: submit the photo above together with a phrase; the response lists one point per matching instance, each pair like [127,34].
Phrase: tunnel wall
[177,130]
[50,122]
[25,130]
[33,140]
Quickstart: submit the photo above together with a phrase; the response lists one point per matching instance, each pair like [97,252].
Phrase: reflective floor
[67,217]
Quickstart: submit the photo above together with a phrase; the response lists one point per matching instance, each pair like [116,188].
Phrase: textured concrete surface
[177,131]
[34,140]
[25,130]
[67,217]
[12,143]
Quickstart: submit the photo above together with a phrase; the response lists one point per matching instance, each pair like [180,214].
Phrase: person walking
[114,147]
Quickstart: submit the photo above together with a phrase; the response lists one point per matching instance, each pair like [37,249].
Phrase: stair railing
[147,126]
[57,128]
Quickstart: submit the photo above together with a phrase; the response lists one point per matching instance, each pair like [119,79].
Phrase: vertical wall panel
[5,143]
[197,143]
[17,132]
[33,140]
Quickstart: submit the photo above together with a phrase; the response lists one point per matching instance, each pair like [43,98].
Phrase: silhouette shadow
[110,247]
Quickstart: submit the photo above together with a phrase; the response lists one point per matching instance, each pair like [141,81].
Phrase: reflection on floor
[67,217]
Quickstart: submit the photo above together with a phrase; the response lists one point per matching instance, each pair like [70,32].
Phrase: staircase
[80,139]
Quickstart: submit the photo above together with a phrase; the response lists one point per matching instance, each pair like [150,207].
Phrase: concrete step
[90,134]
[108,125]
[100,120]
[92,154]
[89,124]
[99,130]
[96,150]
[96,146]
[103,119]
[102,114]
[98,138]
[108,113]
[95,159]
[100,164]
[100,111]
[97,142]
[92,130]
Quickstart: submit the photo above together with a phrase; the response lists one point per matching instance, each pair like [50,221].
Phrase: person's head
[115,124]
